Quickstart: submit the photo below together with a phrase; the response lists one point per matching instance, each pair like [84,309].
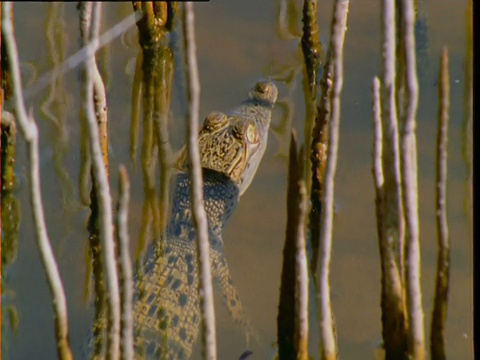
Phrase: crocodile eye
[215,121]
[246,130]
[239,129]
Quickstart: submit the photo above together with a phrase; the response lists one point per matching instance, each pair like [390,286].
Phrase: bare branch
[393,209]
[30,133]
[292,319]
[439,313]
[410,191]
[198,211]
[311,46]
[390,224]
[301,293]
[393,318]
[125,266]
[327,329]
[377,148]
[104,199]
[467,123]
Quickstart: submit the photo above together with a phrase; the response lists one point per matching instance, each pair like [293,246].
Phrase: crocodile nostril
[261,87]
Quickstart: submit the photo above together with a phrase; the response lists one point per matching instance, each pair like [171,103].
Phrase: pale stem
[196,190]
[29,131]
[301,292]
[328,340]
[439,312]
[416,330]
[125,266]
[104,198]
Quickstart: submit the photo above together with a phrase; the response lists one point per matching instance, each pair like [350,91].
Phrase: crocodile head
[227,143]
[234,144]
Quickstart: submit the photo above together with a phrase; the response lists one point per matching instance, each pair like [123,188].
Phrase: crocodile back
[166,310]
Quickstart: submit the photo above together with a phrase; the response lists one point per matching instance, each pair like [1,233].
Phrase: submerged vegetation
[305,286]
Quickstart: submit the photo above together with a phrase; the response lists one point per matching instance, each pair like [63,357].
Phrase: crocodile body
[166,315]
[166,301]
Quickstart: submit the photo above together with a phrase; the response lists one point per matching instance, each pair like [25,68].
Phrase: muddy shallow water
[237,44]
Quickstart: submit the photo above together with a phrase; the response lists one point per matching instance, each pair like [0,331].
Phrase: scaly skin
[166,303]
[234,143]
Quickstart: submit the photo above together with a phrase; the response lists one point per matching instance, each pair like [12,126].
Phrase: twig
[99,96]
[467,123]
[30,133]
[311,46]
[105,209]
[439,313]
[339,25]
[162,82]
[292,320]
[318,112]
[125,266]
[85,10]
[318,156]
[311,49]
[301,271]
[198,211]
[393,318]
[410,190]
[287,307]
[390,217]
[393,211]
[157,18]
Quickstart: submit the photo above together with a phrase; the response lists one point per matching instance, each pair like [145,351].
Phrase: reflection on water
[248,41]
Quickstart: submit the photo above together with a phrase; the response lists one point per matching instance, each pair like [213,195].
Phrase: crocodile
[166,301]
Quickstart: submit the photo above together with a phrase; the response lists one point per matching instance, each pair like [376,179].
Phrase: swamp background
[238,43]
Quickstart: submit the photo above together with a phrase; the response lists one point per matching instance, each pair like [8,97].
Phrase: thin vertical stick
[391,159]
[318,156]
[301,293]
[390,217]
[410,190]
[125,266]
[105,207]
[393,318]
[100,98]
[439,313]
[30,133]
[311,46]
[292,320]
[339,25]
[467,123]
[196,190]
[378,137]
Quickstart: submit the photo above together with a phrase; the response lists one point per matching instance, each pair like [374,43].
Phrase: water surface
[238,44]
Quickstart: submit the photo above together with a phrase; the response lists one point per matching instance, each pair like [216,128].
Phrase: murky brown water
[237,44]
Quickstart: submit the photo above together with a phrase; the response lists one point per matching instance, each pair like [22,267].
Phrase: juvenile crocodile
[166,310]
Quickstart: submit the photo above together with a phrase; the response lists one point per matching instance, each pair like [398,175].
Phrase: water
[237,45]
